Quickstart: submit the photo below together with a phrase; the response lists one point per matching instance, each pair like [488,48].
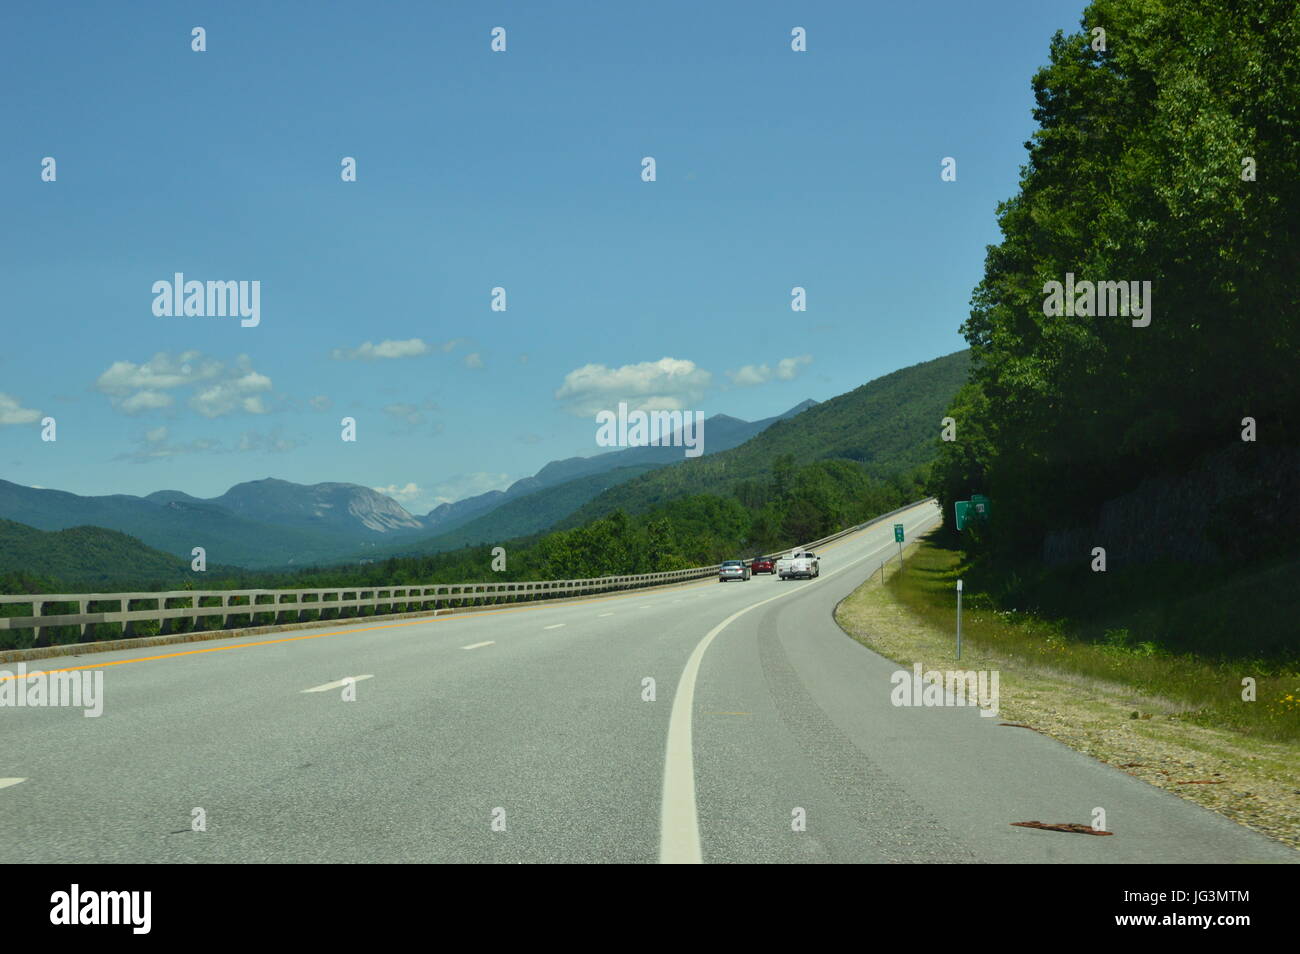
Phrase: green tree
[1135,174]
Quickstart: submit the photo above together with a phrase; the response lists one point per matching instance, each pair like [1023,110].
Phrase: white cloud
[321,402]
[750,375]
[410,414]
[670,384]
[473,360]
[162,372]
[144,401]
[402,494]
[786,370]
[421,500]
[369,351]
[12,412]
[218,388]
[410,348]
[156,435]
[239,392]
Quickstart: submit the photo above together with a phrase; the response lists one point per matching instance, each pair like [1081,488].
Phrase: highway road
[529,734]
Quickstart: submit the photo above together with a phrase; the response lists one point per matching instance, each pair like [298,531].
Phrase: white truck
[798,563]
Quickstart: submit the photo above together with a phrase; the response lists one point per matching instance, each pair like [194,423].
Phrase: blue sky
[477,169]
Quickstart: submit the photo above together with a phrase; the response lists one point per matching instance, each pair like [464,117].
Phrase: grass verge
[1168,720]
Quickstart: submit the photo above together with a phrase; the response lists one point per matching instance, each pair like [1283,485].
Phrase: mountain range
[271,523]
[722,432]
[889,426]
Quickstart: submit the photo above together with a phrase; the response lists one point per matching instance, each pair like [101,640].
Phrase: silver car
[733,570]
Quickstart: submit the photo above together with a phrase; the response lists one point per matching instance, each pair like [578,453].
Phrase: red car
[762,565]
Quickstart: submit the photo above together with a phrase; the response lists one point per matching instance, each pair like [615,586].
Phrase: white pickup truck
[800,563]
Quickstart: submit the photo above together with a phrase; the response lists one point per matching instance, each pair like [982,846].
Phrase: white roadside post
[959,619]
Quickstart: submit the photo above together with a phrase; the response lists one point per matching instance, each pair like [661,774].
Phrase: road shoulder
[1250,781]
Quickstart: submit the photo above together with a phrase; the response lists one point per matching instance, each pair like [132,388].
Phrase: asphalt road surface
[531,734]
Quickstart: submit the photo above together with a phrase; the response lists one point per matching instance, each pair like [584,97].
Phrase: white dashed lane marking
[339,684]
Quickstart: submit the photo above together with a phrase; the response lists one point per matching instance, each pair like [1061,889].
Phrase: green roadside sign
[963,508]
[898,533]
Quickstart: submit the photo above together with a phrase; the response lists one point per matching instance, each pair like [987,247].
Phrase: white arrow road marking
[679,824]
[553,626]
[6,782]
[338,685]
[490,642]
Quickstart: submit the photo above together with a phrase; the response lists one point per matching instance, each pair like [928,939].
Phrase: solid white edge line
[679,823]
[6,782]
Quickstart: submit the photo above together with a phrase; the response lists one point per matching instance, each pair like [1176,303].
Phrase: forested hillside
[885,428]
[789,505]
[1172,156]
[520,517]
[87,557]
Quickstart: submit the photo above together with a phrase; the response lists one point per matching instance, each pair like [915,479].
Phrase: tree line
[1167,150]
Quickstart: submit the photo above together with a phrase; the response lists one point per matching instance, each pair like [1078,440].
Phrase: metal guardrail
[293,606]
[289,606]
